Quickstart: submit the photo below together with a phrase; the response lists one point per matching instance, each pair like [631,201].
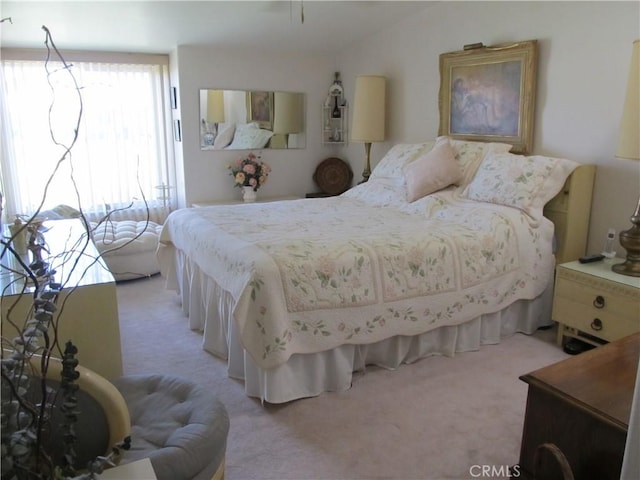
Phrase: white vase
[249,194]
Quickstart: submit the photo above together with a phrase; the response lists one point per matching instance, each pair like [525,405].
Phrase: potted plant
[45,394]
[249,173]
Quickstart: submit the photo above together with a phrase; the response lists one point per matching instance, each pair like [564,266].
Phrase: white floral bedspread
[312,274]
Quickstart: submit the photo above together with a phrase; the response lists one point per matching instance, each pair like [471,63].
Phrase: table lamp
[287,114]
[215,114]
[629,147]
[368,115]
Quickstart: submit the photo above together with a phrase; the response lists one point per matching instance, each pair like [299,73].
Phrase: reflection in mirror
[244,120]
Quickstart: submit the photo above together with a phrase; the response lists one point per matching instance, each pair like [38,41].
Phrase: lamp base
[630,241]
[366,173]
[630,268]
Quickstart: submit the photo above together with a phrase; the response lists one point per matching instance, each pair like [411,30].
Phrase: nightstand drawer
[605,325]
[596,306]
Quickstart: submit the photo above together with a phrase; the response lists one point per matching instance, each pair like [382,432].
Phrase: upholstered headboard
[570,211]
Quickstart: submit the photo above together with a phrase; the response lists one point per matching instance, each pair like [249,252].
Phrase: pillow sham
[224,137]
[248,136]
[526,183]
[432,171]
[469,155]
[390,167]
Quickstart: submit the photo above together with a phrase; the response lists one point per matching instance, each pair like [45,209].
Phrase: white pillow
[224,137]
[527,183]
[470,154]
[432,171]
[248,136]
[391,165]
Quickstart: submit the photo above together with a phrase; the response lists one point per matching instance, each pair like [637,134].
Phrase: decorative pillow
[432,171]
[390,167]
[469,155]
[248,136]
[527,183]
[224,137]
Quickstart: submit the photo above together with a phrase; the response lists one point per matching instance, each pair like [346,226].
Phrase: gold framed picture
[488,94]
[260,107]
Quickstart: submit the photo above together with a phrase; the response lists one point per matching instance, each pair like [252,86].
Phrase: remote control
[596,257]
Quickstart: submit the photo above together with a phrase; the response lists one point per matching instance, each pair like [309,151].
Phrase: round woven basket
[333,176]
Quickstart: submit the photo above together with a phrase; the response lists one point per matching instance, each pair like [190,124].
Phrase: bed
[444,249]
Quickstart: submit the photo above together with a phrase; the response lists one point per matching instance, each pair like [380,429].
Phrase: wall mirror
[245,120]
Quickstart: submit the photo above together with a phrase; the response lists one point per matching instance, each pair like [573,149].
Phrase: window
[121,156]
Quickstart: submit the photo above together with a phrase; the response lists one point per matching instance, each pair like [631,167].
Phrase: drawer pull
[599,302]
[596,324]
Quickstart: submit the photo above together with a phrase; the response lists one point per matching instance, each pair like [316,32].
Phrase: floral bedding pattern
[358,272]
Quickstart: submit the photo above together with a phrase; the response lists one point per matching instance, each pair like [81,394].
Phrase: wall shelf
[334,129]
[334,115]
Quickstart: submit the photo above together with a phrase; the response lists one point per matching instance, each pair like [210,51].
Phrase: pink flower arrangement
[249,171]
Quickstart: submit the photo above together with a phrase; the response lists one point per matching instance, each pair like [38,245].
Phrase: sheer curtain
[121,156]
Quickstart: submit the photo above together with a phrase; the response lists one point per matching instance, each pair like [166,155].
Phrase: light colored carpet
[432,420]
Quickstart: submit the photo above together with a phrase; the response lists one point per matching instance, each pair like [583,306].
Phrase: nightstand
[594,304]
[240,201]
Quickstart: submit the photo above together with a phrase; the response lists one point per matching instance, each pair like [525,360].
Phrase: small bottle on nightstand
[608,250]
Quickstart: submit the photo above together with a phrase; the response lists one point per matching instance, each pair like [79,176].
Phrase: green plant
[29,398]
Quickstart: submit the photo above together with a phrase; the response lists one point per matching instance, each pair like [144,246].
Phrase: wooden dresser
[582,405]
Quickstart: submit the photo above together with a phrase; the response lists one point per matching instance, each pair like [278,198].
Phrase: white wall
[584,56]
[205,174]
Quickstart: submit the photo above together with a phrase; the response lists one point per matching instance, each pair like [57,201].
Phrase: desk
[88,303]
[582,405]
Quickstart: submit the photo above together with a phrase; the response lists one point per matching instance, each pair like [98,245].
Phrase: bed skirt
[208,309]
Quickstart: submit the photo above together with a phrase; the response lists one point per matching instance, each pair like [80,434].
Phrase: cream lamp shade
[287,112]
[629,147]
[215,106]
[368,115]
[369,109]
[629,143]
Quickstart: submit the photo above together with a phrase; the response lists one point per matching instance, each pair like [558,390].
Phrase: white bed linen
[209,309]
[306,329]
[310,275]
[211,299]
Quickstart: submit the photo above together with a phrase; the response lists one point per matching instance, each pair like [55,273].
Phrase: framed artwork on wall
[260,106]
[488,94]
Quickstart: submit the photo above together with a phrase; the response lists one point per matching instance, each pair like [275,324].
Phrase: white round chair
[104,419]
[179,425]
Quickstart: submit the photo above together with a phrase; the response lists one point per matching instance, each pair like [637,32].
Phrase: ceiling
[159,26]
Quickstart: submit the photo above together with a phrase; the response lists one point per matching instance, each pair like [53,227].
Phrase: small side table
[240,201]
[594,304]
